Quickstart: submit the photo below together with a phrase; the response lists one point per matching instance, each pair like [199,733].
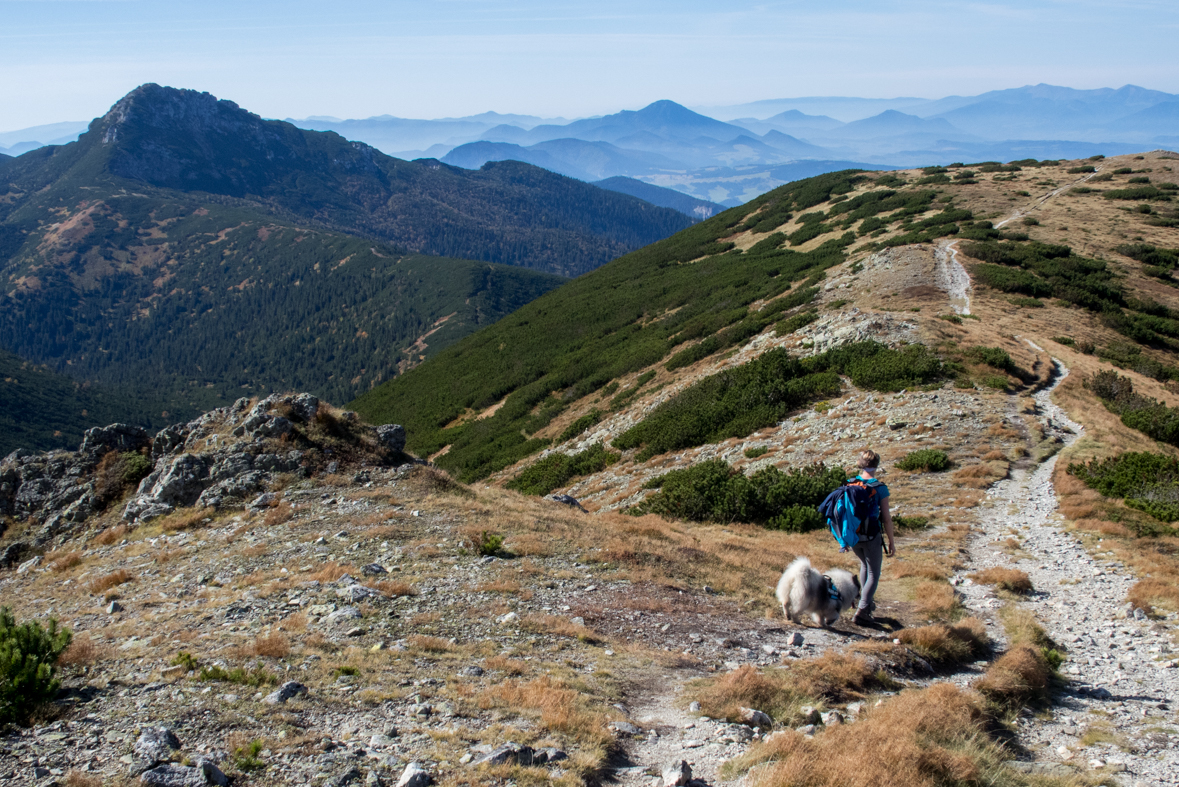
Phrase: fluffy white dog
[804,591]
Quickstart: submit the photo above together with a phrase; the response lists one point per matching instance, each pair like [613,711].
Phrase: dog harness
[833,591]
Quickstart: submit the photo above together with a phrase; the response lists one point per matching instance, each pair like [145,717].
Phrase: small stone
[155,745]
[796,640]
[1095,764]
[350,775]
[1064,753]
[471,672]
[1115,766]
[379,741]
[549,755]
[694,707]
[755,718]
[510,617]
[414,775]
[806,729]
[286,691]
[114,607]
[374,569]
[832,718]
[677,774]
[508,753]
[625,728]
[854,708]
[810,715]
[1140,614]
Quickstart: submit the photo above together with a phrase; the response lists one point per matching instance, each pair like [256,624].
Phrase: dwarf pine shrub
[927,459]
[28,659]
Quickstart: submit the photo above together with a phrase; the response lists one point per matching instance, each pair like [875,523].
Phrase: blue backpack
[848,511]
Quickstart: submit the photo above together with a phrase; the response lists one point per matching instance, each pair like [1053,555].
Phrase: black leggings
[871,555]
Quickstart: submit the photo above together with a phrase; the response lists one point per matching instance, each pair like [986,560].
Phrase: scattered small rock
[286,691]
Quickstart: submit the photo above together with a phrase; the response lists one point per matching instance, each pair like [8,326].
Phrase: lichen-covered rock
[391,437]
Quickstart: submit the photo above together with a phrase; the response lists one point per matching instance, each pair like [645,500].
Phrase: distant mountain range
[185,247]
[725,154]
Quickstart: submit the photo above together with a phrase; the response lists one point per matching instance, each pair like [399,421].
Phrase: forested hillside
[43,410]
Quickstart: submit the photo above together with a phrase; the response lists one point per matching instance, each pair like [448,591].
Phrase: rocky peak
[192,141]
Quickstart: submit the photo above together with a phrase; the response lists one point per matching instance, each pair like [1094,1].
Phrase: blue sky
[72,59]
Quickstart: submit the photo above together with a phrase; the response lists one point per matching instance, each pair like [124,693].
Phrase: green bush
[792,324]
[713,491]
[1136,193]
[910,522]
[927,459]
[256,677]
[580,425]
[1031,303]
[186,660]
[1065,340]
[756,451]
[1151,417]
[1081,170]
[994,357]
[557,469]
[485,544]
[245,758]
[739,401]
[1146,481]
[28,663]
[996,381]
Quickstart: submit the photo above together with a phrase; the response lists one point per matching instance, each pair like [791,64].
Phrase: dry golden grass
[511,667]
[183,519]
[921,738]
[279,514]
[429,644]
[107,581]
[275,646]
[499,586]
[1009,579]
[84,651]
[61,561]
[1147,593]
[330,572]
[960,642]
[1022,627]
[1019,676]
[79,779]
[112,535]
[559,626]
[564,709]
[393,589]
[993,455]
[936,600]
[780,692]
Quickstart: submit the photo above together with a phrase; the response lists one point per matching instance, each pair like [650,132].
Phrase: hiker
[870,551]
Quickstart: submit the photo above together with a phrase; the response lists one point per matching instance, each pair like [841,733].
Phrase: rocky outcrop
[225,457]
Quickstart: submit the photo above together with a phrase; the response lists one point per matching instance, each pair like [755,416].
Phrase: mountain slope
[203,301]
[187,141]
[41,410]
[665,119]
[667,198]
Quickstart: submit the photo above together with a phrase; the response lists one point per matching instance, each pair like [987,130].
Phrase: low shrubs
[580,425]
[256,677]
[1009,579]
[557,469]
[739,401]
[1149,416]
[927,459]
[713,491]
[1146,481]
[28,665]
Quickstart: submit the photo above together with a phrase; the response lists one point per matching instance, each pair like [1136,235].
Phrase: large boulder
[391,437]
[116,437]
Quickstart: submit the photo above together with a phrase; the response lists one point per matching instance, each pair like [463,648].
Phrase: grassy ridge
[623,317]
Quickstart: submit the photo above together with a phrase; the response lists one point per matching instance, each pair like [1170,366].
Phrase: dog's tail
[793,573]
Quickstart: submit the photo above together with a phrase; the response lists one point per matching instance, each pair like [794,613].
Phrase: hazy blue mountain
[892,123]
[842,108]
[665,198]
[664,119]
[793,146]
[400,136]
[474,155]
[51,134]
[790,122]
[1160,119]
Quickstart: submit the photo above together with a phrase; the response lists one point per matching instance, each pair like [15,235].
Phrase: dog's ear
[856,582]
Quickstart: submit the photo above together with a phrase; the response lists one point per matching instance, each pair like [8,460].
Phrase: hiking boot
[864,618]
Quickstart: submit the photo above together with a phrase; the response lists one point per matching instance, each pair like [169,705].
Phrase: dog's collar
[832,590]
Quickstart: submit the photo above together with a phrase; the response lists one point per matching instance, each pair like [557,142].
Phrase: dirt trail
[951,275]
[1117,695]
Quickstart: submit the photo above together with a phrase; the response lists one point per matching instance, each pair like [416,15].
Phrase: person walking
[871,551]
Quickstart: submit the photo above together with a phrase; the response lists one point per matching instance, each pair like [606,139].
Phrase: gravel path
[1122,687]
[951,277]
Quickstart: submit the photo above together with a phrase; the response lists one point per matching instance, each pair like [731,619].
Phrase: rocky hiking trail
[1102,718]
